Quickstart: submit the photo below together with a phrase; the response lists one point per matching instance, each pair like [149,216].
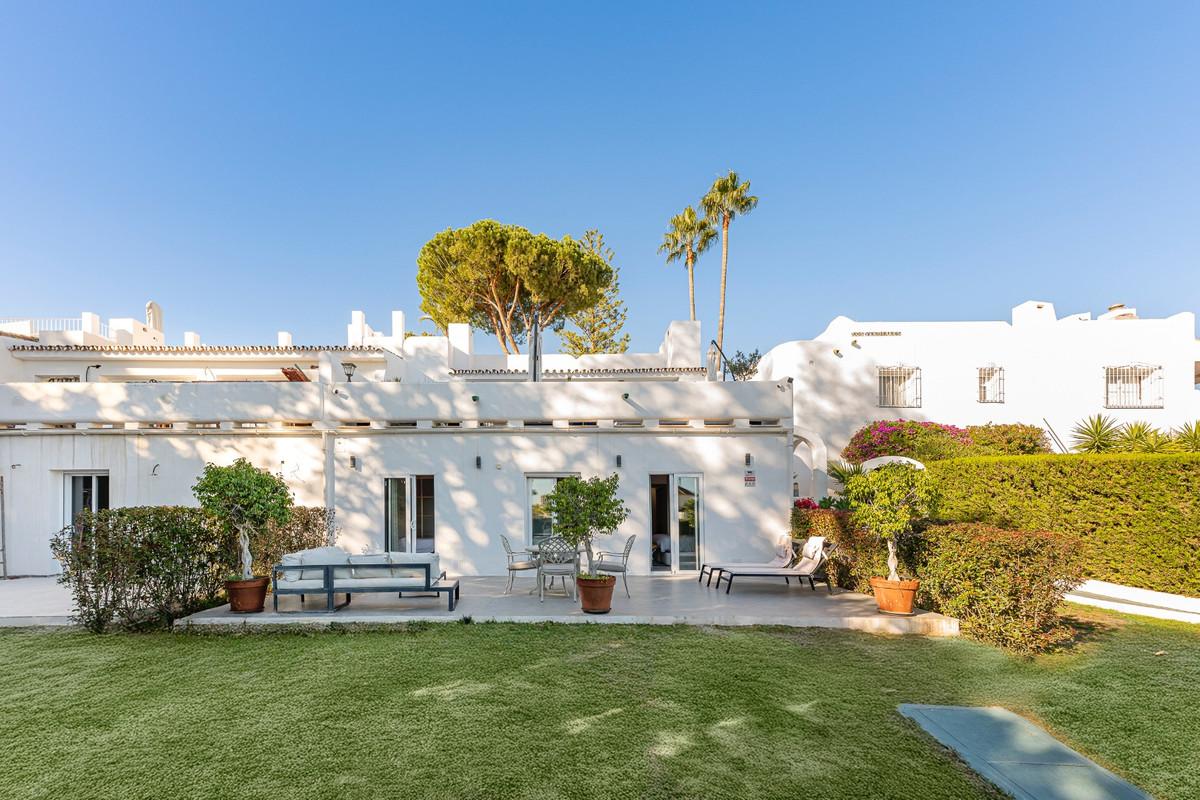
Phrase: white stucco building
[1038,369]
[419,443]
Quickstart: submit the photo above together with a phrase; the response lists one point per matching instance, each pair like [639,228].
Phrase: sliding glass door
[408,514]
[676,522]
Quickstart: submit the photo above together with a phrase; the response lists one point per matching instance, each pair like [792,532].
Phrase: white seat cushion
[315,586]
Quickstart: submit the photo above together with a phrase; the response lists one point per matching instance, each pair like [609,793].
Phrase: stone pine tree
[599,328]
[497,277]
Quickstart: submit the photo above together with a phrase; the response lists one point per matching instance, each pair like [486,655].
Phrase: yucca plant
[1096,434]
[1158,442]
[1187,437]
[1133,437]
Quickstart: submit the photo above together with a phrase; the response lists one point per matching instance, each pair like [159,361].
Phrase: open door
[676,522]
[408,514]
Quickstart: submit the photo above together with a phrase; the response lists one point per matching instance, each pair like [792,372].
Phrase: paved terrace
[665,600]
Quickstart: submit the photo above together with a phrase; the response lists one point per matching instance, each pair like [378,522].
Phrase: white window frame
[68,517]
[907,392]
[530,476]
[1134,386]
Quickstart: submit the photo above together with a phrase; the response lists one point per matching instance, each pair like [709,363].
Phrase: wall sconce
[154,471]
[625,396]
[87,371]
[354,462]
[749,459]
[618,462]
[349,368]
[478,462]
[474,398]
[837,352]
[854,343]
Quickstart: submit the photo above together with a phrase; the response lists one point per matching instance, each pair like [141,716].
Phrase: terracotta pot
[247,597]
[894,597]
[595,594]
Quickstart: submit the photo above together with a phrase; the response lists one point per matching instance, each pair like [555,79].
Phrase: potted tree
[582,510]
[244,500]
[887,501]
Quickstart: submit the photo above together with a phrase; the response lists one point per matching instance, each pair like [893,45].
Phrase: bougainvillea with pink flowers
[924,441]
[806,502]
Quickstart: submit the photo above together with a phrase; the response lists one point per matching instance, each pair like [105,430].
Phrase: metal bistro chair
[518,561]
[614,562]
[557,558]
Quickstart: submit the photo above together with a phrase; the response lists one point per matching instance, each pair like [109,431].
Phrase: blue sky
[264,166]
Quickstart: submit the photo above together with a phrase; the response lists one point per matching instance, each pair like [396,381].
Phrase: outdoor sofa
[330,571]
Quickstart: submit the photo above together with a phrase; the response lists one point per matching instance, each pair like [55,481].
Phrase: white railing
[37,326]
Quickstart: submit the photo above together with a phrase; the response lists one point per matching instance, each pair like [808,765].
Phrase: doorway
[676,523]
[408,514]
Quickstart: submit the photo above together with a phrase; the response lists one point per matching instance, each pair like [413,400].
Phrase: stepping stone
[1018,756]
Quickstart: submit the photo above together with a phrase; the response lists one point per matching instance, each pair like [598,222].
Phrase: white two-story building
[417,442]
[1038,369]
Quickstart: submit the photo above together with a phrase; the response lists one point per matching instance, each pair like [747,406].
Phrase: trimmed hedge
[142,567]
[1004,586]
[1137,515]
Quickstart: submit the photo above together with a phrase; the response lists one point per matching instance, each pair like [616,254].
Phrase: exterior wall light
[474,398]
[353,462]
[625,396]
[88,371]
[478,462]
[618,462]
[749,459]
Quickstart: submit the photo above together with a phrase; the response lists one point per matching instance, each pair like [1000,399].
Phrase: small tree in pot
[244,499]
[582,510]
[887,501]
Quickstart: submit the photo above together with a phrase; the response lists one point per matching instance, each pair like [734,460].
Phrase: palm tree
[688,237]
[729,197]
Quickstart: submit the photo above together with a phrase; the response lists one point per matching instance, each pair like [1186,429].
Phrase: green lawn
[523,711]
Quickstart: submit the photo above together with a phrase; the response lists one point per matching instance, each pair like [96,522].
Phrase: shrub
[1011,439]
[1137,516]
[143,566]
[1096,434]
[146,566]
[1004,586]
[923,441]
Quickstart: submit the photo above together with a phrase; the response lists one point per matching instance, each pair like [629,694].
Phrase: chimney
[283,339]
[191,339]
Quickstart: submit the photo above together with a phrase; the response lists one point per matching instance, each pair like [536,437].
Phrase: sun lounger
[812,567]
[784,556]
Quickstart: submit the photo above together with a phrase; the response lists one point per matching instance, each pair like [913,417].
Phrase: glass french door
[408,514]
[677,522]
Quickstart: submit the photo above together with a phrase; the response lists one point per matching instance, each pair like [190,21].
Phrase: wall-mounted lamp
[354,462]
[625,396]
[349,368]
[88,371]
[474,398]
[837,352]
[749,459]
[154,471]
[854,343]
[478,462]
[618,462]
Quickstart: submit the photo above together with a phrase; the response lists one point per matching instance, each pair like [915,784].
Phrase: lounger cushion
[321,556]
[813,547]
[316,586]
[370,565]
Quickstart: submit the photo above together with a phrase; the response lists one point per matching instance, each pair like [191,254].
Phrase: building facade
[1038,369]
[417,442]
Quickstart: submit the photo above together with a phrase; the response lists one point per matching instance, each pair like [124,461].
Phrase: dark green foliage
[1011,439]
[1005,587]
[1137,515]
[860,554]
[140,567]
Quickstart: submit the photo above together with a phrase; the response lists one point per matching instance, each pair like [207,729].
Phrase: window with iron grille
[1133,386]
[991,384]
[900,387]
